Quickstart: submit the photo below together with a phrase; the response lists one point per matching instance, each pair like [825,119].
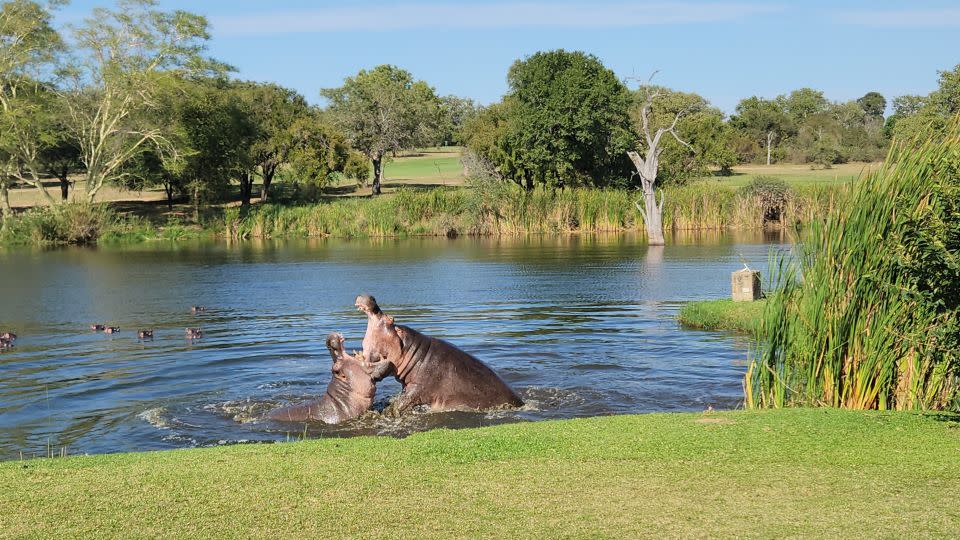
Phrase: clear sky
[723,50]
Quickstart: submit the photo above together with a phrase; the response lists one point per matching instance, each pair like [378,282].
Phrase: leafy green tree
[383,110]
[484,136]
[274,111]
[873,104]
[800,104]
[213,131]
[316,150]
[764,122]
[455,112]
[925,115]
[702,140]
[124,53]
[29,46]
[568,122]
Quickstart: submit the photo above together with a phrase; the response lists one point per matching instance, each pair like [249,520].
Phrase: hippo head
[335,345]
[381,339]
[368,305]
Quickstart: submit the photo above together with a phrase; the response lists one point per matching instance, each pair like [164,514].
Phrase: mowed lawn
[798,473]
[796,174]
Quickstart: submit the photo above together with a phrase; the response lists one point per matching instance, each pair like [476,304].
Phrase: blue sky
[723,50]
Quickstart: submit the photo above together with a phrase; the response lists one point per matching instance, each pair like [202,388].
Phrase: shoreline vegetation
[723,314]
[477,209]
[680,474]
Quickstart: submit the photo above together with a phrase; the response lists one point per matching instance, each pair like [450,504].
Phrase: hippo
[432,371]
[349,394]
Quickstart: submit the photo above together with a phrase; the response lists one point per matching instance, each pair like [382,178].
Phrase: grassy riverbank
[723,314]
[490,210]
[797,472]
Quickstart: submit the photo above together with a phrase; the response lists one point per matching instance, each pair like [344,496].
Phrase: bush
[74,223]
[358,167]
[768,194]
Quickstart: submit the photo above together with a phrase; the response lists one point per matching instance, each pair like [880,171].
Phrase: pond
[578,325]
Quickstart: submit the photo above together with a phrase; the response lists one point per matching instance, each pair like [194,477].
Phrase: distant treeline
[130,98]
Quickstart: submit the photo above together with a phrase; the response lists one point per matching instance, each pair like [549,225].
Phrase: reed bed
[491,209]
[866,315]
[507,210]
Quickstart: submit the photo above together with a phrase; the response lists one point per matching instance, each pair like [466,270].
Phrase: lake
[578,325]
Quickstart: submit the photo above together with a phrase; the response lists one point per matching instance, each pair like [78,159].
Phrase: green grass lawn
[426,167]
[723,314]
[795,174]
[797,472]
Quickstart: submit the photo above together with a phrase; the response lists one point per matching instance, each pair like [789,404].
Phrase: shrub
[358,168]
[769,195]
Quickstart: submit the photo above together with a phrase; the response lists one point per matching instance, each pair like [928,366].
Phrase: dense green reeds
[86,224]
[866,315]
[491,209]
[505,209]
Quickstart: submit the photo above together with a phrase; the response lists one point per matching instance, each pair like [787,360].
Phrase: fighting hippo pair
[432,372]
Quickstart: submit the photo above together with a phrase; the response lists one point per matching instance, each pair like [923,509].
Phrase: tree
[316,149]
[213,131]
[274,111]
[455,112]
[700,126]
[383,110]
[648,163]
[800,104]
[873,104]
[28,47]
[126,52]
[567,122]
[924,115]
[764,121]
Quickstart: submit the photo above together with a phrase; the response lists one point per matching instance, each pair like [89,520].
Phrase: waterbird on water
[111,329]
[98,327]
[193,333]
[197,309]
[6,343]
[145,334]
[8,336]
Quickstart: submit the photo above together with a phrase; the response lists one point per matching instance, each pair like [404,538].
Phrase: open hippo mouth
[368,305]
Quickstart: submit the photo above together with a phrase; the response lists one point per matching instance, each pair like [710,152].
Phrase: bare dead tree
[647,163]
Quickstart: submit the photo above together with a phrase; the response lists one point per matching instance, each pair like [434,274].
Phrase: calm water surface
[580,326]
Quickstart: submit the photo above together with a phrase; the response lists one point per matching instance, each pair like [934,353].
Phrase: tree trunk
[268,173]
[769,144]
[246,188]
[653,217]
[64,184]
[377,174]
[169,189]
[5,200]
[529,182]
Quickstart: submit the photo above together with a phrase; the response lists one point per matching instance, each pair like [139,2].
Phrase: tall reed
[866,314]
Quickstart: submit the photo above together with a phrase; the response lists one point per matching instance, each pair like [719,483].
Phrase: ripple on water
[579,327]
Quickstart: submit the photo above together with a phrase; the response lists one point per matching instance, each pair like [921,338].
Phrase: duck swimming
[194,333]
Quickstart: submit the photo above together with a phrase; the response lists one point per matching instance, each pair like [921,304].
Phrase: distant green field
[429,168]
[795,174]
